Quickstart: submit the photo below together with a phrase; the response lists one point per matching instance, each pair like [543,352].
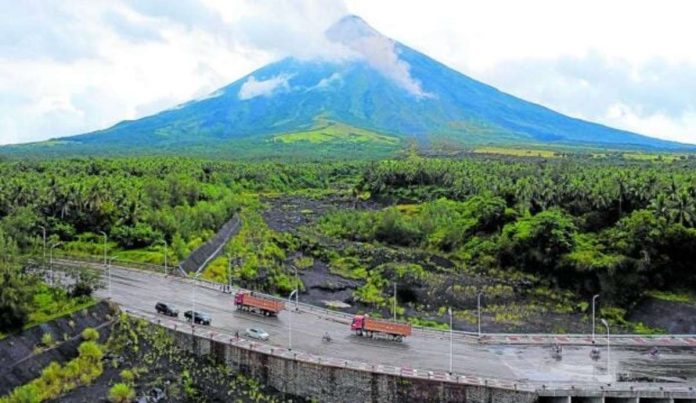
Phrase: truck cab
[358,322]
[239,298]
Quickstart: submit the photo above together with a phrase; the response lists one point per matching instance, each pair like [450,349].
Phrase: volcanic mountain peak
[351,28]
[377,50]
[383,89]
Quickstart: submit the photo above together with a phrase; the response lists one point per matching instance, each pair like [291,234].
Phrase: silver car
[256,333]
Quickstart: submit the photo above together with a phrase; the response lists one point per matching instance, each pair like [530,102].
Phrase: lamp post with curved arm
[594,298]
[44,244]
[478,305]
[164,242]
[292,294]
[106,239]
[604,322]
[108,270]
[50,259]
[449,310]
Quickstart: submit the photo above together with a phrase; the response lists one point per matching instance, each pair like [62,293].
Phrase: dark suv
[200,317]
[166,309]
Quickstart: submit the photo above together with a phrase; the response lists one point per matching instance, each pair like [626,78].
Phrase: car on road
[166,309]
[199,317]
[256,333]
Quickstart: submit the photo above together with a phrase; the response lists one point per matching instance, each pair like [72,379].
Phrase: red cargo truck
[247,301]
[363,325]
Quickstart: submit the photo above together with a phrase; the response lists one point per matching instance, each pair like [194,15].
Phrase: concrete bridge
[380,371]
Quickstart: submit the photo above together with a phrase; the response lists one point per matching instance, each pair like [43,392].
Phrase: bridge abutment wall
[331,382]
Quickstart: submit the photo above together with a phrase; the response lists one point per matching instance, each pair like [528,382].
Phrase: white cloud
[253,88]
[378,50]
[518,47]
[71,66]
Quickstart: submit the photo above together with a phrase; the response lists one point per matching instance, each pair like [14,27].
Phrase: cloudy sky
[71,66]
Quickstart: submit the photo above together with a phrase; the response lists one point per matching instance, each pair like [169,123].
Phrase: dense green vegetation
[26,300]
[137,203]
[590,226]
[568,226]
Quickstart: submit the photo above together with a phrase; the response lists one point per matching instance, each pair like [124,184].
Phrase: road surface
[138,291]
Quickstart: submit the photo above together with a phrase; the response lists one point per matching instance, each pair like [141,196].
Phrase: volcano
[379,95]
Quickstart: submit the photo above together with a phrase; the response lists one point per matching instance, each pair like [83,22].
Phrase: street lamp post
[106,239]
[164,242]
[478,305]
[297,288]
[50,264]
[229,272]
[108,273]
[604,322]
[395,301]
[193,299]
[594,298]
[293,293]
[44,243]
[449,310]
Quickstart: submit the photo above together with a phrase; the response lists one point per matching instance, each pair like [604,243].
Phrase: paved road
[138,291]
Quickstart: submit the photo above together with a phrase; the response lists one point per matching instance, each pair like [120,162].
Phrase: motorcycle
[326,338]
[595,354]
[557,352]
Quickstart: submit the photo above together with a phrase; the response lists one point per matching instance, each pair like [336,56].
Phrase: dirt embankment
[23,356]
[673,317]
[163,372]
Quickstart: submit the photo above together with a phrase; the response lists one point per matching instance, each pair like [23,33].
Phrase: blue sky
[73,66]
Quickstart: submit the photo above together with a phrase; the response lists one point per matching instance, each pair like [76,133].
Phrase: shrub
[47,339]
[121,393]
[27,394]
[90,351]
[127,376]
[90,334]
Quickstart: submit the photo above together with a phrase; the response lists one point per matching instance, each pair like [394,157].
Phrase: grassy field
[517,152]
[337,132]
